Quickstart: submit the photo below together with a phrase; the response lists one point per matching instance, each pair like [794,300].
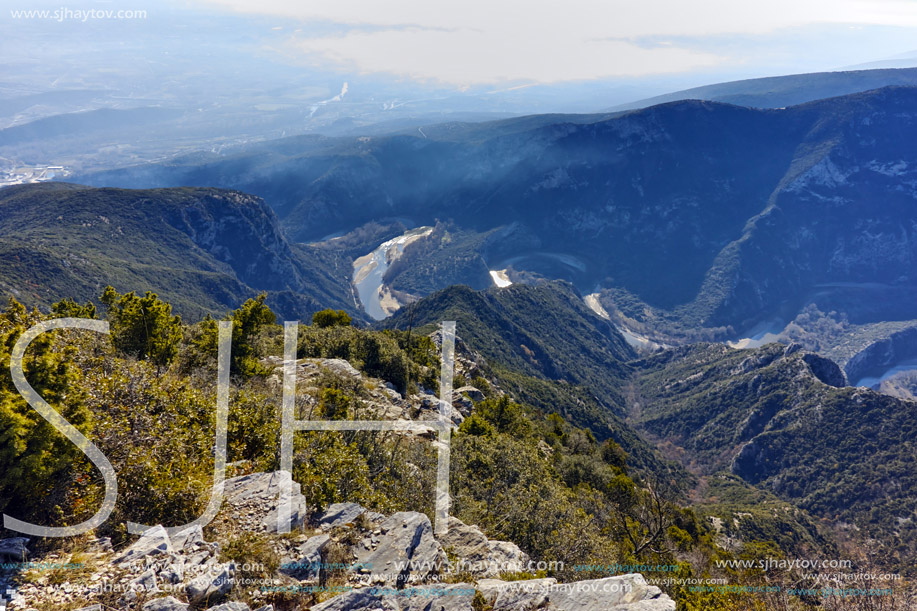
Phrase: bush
[477,426]
[507,416]
[68,308]
[143,326]
[34,457]
[335,404]
[330,318]
[249,322]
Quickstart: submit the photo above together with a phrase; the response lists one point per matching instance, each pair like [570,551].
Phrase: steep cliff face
[825,370]
[241,231]
[842,220]
[882,354]
[205,250]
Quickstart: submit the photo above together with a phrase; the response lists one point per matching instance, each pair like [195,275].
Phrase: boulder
[471,392]
[480,556]
[341,367]
[626,592]
[212,586]
[462,404]
[256,498]
[622,592]
[233,606]
[405,551]
[339,514]
[173,572]
[466,542]
[14,549]
[452,597]
[522,595]
[153,542]
[433,415]
[506,556]
[145,582]
[187,539]
[357,600]
[308,558]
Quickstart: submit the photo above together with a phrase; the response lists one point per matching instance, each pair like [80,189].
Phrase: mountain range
[790,90]
[691,219]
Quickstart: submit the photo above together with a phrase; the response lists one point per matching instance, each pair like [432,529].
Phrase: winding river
[873,381]
[369,270]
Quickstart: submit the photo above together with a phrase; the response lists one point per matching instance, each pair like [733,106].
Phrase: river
[873,381]
[369,270]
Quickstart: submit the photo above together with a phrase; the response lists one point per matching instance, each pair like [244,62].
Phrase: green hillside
[846,455]
[203,249]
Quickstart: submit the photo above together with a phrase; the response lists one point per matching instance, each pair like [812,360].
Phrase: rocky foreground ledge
[346,558]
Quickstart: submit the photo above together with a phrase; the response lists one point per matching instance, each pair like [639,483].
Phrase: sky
[476,42]
[495,56]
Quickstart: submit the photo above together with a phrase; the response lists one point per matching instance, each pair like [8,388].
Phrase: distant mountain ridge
[790,90]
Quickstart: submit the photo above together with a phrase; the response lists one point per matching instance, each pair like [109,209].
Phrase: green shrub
[335,404]
[35,459]
[477,426]
[507,416]
[249,322]
[143,326]
[330,318]
[68,308]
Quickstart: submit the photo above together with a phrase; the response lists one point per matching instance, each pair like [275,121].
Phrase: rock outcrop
[404,551]
[257,497]
[14,549]
[479,555]
[392,563]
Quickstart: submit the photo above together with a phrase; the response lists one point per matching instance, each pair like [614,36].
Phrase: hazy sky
[492,41]
[589,54]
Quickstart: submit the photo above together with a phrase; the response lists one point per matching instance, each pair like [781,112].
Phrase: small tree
[508,417]
[247,323]
[477,426]
[33,455]
[331,318]
[143,326]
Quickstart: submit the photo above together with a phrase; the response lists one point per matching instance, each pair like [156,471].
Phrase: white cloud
[488,41]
